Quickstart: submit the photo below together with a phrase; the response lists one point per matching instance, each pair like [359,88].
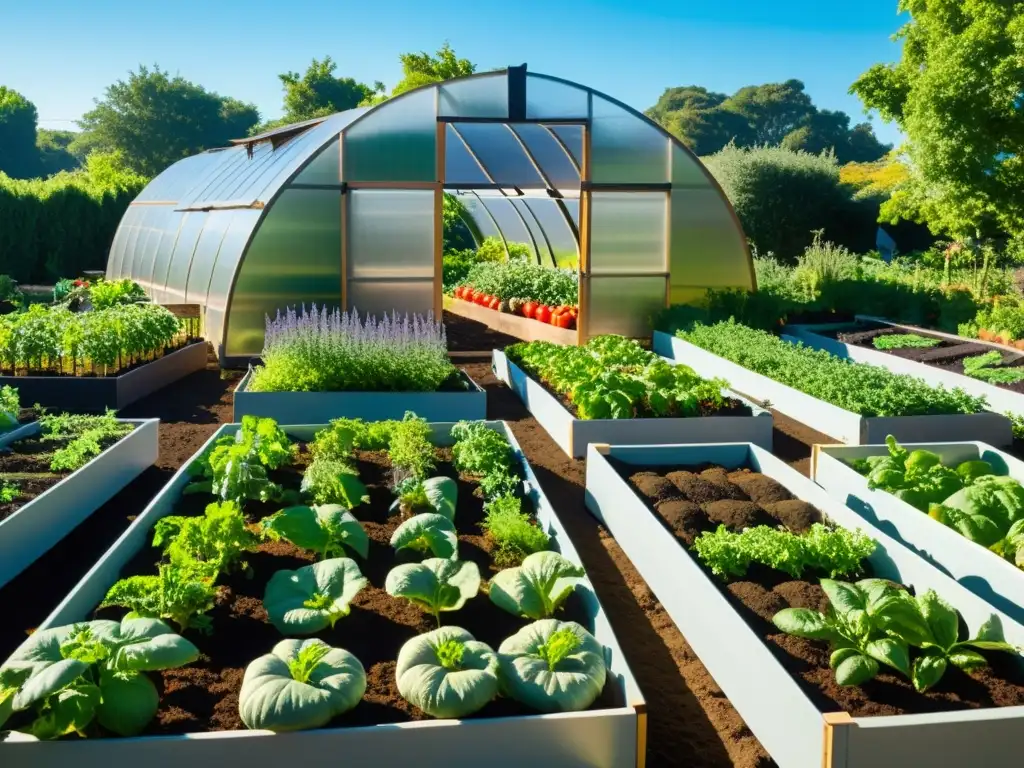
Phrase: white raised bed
[573,435]
[321,407]
[785,720]
[845,426]
[986,574]
[608,737]
[53,514]
[999,400]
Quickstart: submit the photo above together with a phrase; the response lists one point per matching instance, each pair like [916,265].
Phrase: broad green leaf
[990,637]
[342,528]
[536,588]
[456,690]
[299,525]
[161,652]
[856,670]
[941,617]
[69,710]
[442,494]
[313,597]
[895,610]
[428,532]
[845,598]
[436,584]
[51,679]
[928,670]
[890,651]
[965,658]
[840,655]
[803,622]
[130,701]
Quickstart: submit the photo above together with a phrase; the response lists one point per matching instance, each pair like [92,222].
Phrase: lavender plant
[326,350]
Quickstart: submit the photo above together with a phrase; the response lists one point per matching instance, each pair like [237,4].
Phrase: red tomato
[529,308]
[562,320]
[542,313]
[494,303]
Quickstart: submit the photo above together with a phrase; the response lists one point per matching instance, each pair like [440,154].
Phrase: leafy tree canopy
[318,92]
[54,153]
[757,115]
[957,95]
[18,156]
[420,69]
[155,120]
[879,178]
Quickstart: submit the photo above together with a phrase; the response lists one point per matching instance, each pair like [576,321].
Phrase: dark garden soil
[465,335]
[947,355]
[691,500]
[690,721]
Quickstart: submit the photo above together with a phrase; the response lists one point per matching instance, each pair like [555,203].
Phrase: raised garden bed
[746,422]
[980,570]
[320,407]
[51,503]
[779,683]
[201,700]
[94,394]
[523,328]
[845,426]
[941,364]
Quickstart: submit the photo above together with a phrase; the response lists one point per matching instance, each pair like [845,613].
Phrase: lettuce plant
[325,529]
[70,676]
[329,481]
[427,532]
[436,494]
[313,597]
[235,468]
[553,666]
[181,593]
[300,684]
[218,538]
[983,512]
[916,477]
[435,585]
[538,587]
[447,673]
[485,453]
[876,622]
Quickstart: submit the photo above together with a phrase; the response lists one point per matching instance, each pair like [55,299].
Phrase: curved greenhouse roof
[346,210]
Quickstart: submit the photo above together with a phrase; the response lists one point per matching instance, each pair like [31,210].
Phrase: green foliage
[54,152]
[773,113]
[835,551]
[435,585]
[876,622]
[955,94]
[487,454]
[863,389]
[984,511]
[917,477]
[86,436]
[10,407]
[329,481]
[110,293]
[904,341]
[314,597]
[217,540]
[409,447]
[60,680]
[538,587]
[156,120]
[327,530]
[523,280]
[427,532]
[181,593]
[18,118]
[419,69]
[986,367]
[447,673]
[235,467]
[516,534]
[9,492]
[611,377]
[318,93]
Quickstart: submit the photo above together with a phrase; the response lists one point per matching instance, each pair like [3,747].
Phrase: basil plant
[300,684]
[447,673]
[69,676]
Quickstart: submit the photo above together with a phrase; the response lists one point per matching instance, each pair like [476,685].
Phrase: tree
[706,131]
[19,158]
[684,98]
[419,69]
[54,155]
[154,120]
[318,92]
[773,110]
[956,94]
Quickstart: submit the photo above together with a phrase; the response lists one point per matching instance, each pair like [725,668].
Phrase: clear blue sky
[61,54]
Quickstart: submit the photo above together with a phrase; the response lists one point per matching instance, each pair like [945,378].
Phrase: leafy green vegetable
[904,341]
[987,367]
[300,684]
[486,453]
[437,584]
[836,551]
[181,593]
[409,447]
[436,494]
[326,530]
[918,478]
[515,533]
[427,532]
[553,666]
[313,597]
[328,481]
[447,673]
[235,468]
[983,512]
[218,538]
[69,676]
[86,436]
[9,492]
[538,587]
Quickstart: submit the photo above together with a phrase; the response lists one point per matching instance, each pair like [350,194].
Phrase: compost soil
[204,695]
[946,356]
[697,499]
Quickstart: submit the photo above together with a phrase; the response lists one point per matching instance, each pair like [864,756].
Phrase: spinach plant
[326,529]
[916,477]
[329,481]
[437,584]
[314,597]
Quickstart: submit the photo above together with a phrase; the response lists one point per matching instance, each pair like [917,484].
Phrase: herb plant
[181,593]
[525,280]
[326,530]
[70,676]
[300,684]
[9,492]
[515,533]
[835,551]
[904,341]
[988,367]
[435,585]
[863,389]
[327,481]
[447,673]
[409,447]
[538,587]
[314,597]
[86,437]
[217,539]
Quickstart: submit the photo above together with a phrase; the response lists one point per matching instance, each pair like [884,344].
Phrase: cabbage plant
[437,494]
[72,675]
[447,673]
[313,597]
[538,587]
[553,666]
[300,684]
[427,532]
[436,584]
[326,529]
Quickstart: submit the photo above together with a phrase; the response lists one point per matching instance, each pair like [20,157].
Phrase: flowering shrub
[327,350]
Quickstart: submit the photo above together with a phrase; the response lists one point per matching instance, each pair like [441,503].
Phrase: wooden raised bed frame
[514,325]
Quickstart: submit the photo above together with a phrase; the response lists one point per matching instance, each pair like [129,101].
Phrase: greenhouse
[346,210]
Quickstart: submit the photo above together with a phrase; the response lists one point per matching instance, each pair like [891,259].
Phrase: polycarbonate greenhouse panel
[687,170]
[205,256]
[571,138]
[181,259]
[162,258]
[706,248]
[481,96]
[380,297]
[394,142]
[495,146]
[512,226]
[610,738]
[553,221]
[626,149]
[243,222]
[550,98]
[325,168]
[553,159]
[790,726]
[628,232]
[390,234]
[460,166]
[274,275]
[624,305]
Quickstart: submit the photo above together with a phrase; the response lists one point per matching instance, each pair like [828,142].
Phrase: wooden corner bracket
[835,738]
[641,734]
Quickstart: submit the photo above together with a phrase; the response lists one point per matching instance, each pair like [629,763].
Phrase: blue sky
[63,53]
